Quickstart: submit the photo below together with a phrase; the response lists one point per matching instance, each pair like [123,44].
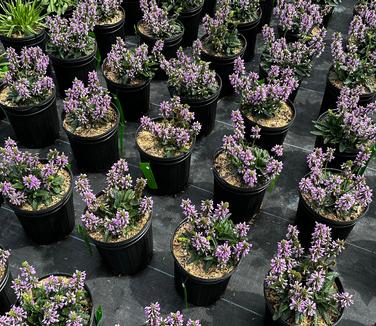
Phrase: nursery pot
[18,43]
[199,291]
[171,45]
[249,30]
[267,11]
[7,296]
[209,8]
[269,136]
[224,65]
[50,224]
[133,15]
[171,174]
[290,36]
[244,202]
[205,110]
[66,70]
[190,19]
[95,153]
[106,35]
[134,99]
[35,126]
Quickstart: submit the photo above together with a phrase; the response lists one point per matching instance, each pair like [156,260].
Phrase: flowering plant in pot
[265,103]
[301,287]
[327,7]
[39,191]
[128,73]
[71,47]
[242,171]
[28,98]
[7,296]
[92,124]
[222,44]
[21,24]
[166,143]
[207,247]
[153,317]
[337,198]
[59,7]
[51,300]
[190,78]
[118,219]
[363,6]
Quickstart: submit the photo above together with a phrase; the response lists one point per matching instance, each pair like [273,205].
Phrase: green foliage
[58,6]
[98,317]
[177,6]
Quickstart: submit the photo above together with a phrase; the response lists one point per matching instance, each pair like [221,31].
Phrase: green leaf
[148,174]
[98,316]
[84,236]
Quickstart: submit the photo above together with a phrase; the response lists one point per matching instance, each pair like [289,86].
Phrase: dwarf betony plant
[26,76]
[243,11]
[302,285]
[177,6]
[107,9]
[326,6]
[119,209]
[25,180]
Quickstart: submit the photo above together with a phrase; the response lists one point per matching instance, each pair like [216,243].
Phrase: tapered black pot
[244,202]
[18,43]
[269,136]
[224,66]
[267,11]
[98,153]
[66,70]
[249,31]
[35,126]
[171,174]
[290,36]
[209,8]
[50,224]
[190,19]
[133,15]
[7,295]
[106,35]
[199,291]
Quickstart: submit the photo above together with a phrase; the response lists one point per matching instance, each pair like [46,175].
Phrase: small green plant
[58,6]
[21,18]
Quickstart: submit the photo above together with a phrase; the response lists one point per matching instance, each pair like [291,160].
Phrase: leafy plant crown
[177,6]
[58,6]
[242,11]
[107,9]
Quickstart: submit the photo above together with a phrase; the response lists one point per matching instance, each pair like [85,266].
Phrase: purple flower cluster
[190,77]
[87,107]
[119,207]
[176,131]
[205,234]
[154,318]
[243,11]
[263,98]
[26,76]
[342,194]
[304,284]
[107,9]
[22,176]
[4,257]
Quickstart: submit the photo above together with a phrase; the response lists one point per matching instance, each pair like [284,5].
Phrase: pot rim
[118,23]
[166,40]
[40,34]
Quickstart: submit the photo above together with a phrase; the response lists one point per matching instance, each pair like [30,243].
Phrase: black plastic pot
[249,31]
[200,291]
[244,202]
[289,35]
[171,45]
[134,99]
[205,110]
[269,136]
[18,43]
[133,15]
[224,66]
[267,11]
[51,224]
[7,296]
[98,153]
[35,126]
[209,8]
[170,174]
[106,35]
[191,21]
[66,70]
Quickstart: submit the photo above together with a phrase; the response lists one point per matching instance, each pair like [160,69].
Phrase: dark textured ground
[123,298]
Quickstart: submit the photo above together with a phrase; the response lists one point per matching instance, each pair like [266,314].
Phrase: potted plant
[91,124]
[207,248]
[335,198]
[301,287]
[327,8]
[156,25]
[71,48]
[55,298]
[348,129]
[118,220]
[190,78]
[153,317]
[21,24]
[39,191]
[59,7]
[265,103]
[189,13]
[166,144]
[243,171]
[128,73]
[109,25]
[222,44]
[28,98]
[362,6]
[350,68]
[297,18]
[7,296]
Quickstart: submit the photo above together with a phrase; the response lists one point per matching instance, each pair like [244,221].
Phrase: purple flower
[223,254]
[344,299]
[31,182]
[4,258]
[278,150]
